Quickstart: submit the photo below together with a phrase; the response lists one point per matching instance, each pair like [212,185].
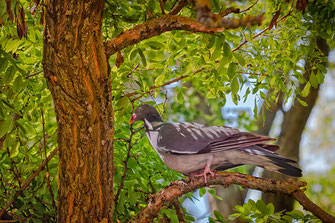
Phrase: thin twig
[13,167]
[178,7]
[161,5]
[125,163]
[247,9]
[260,33]
[28,181]
[179,210]
[47,174]
[33,74]
[8,221]
[253,74]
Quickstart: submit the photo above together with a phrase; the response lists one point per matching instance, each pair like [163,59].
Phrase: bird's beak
[132,119]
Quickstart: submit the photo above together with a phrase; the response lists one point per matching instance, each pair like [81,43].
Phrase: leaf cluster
[260,212]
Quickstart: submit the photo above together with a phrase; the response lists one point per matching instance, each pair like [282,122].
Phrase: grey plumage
[193,148]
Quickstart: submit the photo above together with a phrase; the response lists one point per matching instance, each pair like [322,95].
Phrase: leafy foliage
[260,212]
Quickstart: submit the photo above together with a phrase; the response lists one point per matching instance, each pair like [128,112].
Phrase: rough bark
[76,72]
[292,128]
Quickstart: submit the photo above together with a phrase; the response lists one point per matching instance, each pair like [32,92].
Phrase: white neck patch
[148,124]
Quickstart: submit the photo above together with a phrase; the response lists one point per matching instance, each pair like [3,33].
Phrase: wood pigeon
[194,149]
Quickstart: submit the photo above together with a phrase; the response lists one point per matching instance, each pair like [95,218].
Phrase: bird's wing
[240,140]
[193,138]
[190,138]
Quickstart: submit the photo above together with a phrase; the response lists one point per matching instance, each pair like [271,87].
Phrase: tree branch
[288,187]
[153,28]
[28,181]
[179,210]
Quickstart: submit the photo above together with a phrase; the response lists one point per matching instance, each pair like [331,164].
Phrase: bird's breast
[186,164]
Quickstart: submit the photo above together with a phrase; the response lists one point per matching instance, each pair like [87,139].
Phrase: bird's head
[147,112]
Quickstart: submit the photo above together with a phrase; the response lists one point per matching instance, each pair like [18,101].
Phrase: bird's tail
[270,160]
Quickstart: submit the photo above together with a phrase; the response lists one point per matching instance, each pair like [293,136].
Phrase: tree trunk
[292,128]
[76,71]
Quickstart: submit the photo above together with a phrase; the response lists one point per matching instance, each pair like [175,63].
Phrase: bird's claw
[205,172]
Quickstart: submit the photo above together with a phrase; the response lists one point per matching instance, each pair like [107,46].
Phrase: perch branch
[28,181]
[288,187]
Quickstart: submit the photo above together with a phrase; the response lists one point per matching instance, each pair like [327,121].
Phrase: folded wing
[193,138]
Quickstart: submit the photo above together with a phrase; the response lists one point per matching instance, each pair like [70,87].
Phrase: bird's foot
[205,172]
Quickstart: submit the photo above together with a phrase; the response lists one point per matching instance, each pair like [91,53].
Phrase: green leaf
[218,216]
[132,163]
[5,126]
[144,60]
[211,220]
[261,206]
[217,51]
[322,68]
[211,191]
[234,86]
[320,77]
[260,79]
[314,80]
[14,149]
[255,109]
[246,95]
[217,197]
[132,195]
[226,50]
[155,45]
[239,58]
[306,90]
[231,70]
[302,102]
[9,75]
[233,216]
[180,97]
[222,65]
[10,140]
[270,209]
[239,208]
[202,191]
[122,103]
[18,84]
[3,63]
[296,214]
[160,80]
[133,54]
[210,42]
